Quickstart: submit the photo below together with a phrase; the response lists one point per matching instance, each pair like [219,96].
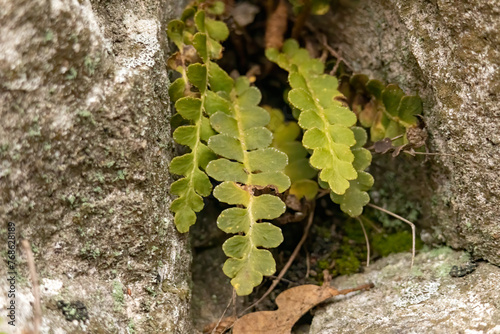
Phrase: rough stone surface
[425,299]
[84,151]
[448,52]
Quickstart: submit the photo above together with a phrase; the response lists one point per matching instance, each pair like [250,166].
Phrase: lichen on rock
[424,299]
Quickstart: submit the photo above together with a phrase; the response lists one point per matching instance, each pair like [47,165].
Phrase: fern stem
[290,260]
[367,242]
[403,220]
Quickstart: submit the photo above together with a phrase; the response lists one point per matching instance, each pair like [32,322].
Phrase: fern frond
[298,169]
[389,111]
[326,121]
[195,96]
[247,164]
[356,196]
[329,128]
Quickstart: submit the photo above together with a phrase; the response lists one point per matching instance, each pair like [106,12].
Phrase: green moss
[49,35]
[73,73]
[347,264]
[323,264]
[385,244]
[151,291]
[90,64]
[323,232]
[120,175]
[99,177]
[131,326]
[118,295]
[354,231]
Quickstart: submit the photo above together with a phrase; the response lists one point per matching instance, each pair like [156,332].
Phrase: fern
[298,169]
[199,82]
[317,7]
[327,124]
[247,164]
[389,113]
[254,154]
[225,120]
[356,196]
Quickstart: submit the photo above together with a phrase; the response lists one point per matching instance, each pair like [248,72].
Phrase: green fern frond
[329,128]
[356,197]
[389,111]
[195,96]
[247,164]
[298,169]
[326,121]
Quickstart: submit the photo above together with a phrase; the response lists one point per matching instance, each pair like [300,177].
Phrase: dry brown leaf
[292,304]
[383,146]
[276,26]
[219,327]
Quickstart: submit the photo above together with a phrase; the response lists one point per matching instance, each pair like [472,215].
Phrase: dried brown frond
[276,26]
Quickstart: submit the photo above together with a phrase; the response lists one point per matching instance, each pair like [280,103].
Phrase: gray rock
[425,299]
[448,52]
[84,151]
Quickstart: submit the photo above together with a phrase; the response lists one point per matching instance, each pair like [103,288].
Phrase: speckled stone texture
[84,152]
[448,52]
[425,299]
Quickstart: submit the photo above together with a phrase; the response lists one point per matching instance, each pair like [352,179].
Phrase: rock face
[425,299]
[84,151]
[448,52]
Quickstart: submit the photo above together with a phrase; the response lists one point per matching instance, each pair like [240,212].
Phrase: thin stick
[322,193]
[308,264]
[37,308]
[290,260]
[371,223]
[413,153]
[397,137]
[301,19]
[367,242]
[403,220]
[285,280]
[358,288]
[323,40]
[223,313]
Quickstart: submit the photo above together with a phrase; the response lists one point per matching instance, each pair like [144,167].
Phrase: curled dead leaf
[276,26]
[292,304]
[219,327]
[383,146]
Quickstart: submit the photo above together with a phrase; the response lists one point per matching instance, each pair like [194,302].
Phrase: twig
[413,153]
[367,242]
[371,223]
[234,303]
[308,264]
[322,193]
[301,19]
[358,288]
[323,40]
[403,220]
[397,137]
[276,25]
[37,308]
[285,280]
[231,301]
[290,260]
